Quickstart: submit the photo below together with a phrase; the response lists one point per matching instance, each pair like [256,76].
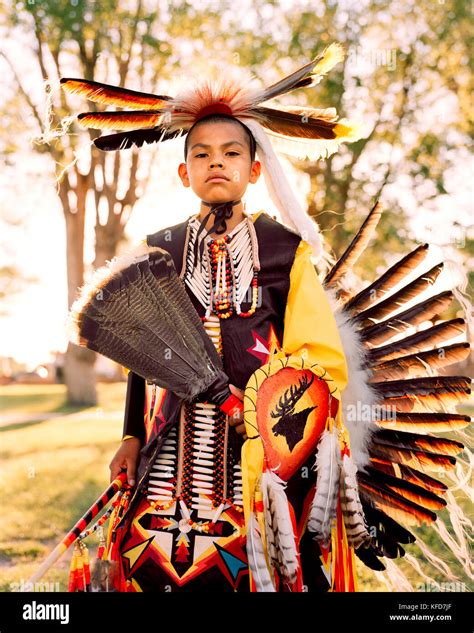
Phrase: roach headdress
[296,130]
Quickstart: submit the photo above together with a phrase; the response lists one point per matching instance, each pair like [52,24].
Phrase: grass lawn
[52,471]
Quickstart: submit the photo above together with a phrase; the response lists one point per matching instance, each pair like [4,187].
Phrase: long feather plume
[393,504]
[388,280]
[356,247]
[410,474]
[405,294]
[307,75]
[137,138]
[423,311]
[441,445]
[419,341]
[426,422]
[126,121]
[408,490]
[113,95]
[435,392]
[324,505]
[297,125]
[415,365]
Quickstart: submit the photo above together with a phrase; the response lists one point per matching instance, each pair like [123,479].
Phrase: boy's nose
[216,163]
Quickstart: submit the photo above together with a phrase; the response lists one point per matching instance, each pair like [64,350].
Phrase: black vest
[276,249]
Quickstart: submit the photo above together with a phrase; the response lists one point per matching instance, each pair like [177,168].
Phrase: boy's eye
[233,153]
[200,155]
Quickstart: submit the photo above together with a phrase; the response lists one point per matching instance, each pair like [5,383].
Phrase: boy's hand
[237,421]
[127,457]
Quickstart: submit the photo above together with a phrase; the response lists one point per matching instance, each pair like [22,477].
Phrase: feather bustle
[388,280]
[398,299]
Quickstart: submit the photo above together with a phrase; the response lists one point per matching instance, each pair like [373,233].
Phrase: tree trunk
[79,362]
[80,376]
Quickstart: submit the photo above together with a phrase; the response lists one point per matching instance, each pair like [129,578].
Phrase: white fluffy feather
[358,389]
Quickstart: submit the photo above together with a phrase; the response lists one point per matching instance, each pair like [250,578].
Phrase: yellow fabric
[310,328]
[128,437]
[310,332]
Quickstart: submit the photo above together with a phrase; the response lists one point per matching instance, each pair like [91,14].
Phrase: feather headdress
[299,131]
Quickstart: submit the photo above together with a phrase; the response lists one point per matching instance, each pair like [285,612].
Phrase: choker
[223,211]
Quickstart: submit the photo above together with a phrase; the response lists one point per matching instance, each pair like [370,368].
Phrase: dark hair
[219,118]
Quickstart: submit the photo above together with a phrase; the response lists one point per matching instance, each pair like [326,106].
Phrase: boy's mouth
[217,178]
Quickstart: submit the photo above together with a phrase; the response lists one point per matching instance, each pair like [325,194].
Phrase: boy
[206,507]
[185,529]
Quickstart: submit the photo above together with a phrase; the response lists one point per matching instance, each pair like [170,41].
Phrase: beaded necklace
[231,267]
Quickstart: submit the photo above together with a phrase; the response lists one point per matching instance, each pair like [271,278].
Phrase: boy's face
[218,166]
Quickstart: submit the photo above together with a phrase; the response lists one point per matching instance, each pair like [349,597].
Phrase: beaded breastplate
[229,271]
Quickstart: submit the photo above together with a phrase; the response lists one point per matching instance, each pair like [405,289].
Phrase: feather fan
[137,312]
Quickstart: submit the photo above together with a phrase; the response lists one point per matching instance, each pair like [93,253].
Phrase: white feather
[256,557]
[359,397]
[324,505]
[352,512]
[281,193]
[279,526]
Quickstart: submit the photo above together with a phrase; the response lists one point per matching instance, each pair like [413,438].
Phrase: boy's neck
[237,216]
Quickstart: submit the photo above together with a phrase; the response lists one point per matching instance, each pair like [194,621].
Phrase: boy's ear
[183,174]
[255,171]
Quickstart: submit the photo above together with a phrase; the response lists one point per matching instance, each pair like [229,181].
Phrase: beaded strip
[192,467]
[231,262]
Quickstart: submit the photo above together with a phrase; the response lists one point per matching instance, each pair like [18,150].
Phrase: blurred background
[66,208]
